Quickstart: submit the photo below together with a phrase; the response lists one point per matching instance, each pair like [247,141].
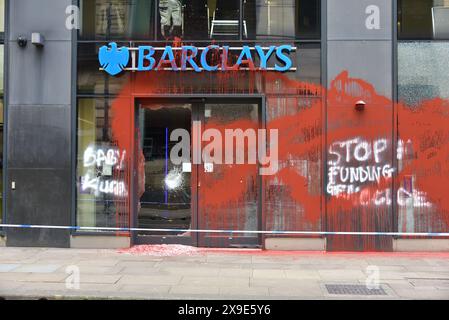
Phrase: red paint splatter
[294,196]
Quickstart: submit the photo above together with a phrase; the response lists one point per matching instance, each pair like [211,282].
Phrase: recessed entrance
[198,192]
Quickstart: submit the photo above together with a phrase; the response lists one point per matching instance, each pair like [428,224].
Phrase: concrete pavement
[218,274]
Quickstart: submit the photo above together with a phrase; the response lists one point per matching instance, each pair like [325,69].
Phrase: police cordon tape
[351,233]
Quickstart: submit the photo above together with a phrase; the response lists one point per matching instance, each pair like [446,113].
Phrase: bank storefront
[281,124]
[196,66]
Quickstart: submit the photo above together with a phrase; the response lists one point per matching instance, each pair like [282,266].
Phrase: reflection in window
[423,19]
[2,16]
[225,17]
[199,19]
[282,19]
[423,71]
[307,60]
[171,18]
[124,19]
[92,80]
[102,191]
[165,197]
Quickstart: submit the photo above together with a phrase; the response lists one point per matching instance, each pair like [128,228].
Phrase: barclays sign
[114,60]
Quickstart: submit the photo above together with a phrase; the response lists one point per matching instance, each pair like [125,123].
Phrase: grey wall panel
[39,133]
[45,16]
[41,197]
[353,19]
[367,60]
[39,137]
[359,41]
[40,75]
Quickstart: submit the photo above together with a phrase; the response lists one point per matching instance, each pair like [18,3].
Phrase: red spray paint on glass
[293,196]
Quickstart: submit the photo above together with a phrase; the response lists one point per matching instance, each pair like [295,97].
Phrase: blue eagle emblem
[112,59]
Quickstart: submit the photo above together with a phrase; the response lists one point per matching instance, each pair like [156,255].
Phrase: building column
[39,81]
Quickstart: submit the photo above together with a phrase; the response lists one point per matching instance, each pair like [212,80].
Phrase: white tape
[413,234]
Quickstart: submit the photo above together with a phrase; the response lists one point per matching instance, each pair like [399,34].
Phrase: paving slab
[8,286]
[137,264]
[323,266]
[431,275]
[425,294]
[429,283]
[341,274]
[279,283]
[45,277]
[8,267]
[172,264]
[394,284]
[268,274]
[97,262]
[427,268]
[150,280]
[229,259]
[86,269]
[298,292]
[38,268]
[437,262]
[201,271]
[144,271]
[396,275]
[247,291]
[214,282]
[194,290]
[145,290]
[45,287]
[302,274]
[235,272]
[99,278]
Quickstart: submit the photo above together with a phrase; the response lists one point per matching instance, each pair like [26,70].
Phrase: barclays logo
[113,59]
[211,58]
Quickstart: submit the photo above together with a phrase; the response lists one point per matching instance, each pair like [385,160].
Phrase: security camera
[22,41]
[360,105]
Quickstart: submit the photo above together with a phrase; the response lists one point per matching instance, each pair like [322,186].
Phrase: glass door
[165,189]
[196,168]
[228,180]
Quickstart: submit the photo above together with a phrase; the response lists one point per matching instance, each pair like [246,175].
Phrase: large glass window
[122,19]
[91,80]
[2,17]
[200,19]
[423,91]
[277,19]
[423,75]
[423,71]
[102,185]
[423,19]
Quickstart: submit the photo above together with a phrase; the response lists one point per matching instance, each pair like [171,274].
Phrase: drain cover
[355,289]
